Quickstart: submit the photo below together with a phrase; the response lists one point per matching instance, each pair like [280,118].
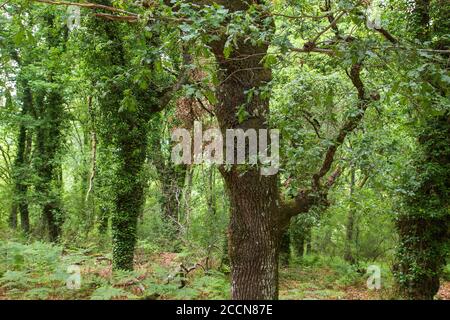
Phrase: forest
[224,150]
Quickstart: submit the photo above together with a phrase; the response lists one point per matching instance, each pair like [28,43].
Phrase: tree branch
[307,49]
[317,195]
[88,5]
[183,78]
[113,17]
[387,35]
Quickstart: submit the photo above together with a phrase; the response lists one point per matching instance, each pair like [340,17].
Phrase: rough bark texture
[258,216]
[254,229]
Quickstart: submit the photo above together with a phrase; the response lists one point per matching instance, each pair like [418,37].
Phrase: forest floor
[39,271]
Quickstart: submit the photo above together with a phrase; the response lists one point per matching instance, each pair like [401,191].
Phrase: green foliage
[85,146]
[108,293]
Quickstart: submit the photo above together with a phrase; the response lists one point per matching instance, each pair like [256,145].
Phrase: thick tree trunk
[254,235]
[129,193]
[254,230]
[423,224]
[258,217]
[52,212]
[421,256]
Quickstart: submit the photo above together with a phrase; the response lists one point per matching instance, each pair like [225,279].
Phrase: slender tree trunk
[186,205]
[88,181]
[285,248]
[172,181]
[308,240]
[211,192]
[13,217]
[299,245]
[350,227]
[21,164]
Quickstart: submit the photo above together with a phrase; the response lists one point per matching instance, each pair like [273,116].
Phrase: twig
[113,17]
[313,49]
[331,25]
[4,4]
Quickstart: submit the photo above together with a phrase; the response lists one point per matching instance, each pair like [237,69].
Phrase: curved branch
[317,195]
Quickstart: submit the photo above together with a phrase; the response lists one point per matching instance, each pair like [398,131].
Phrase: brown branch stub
[387,35]
[302,203]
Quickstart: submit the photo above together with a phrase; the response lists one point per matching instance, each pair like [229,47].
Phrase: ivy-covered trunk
[21,164]
[48,141]
[424,222]
[124,113]
[129,189]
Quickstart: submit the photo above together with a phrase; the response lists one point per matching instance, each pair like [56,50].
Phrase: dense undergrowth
[43,271]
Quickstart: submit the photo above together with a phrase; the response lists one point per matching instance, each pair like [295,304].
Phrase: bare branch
[113,17]
[313,49]
[387,35]
[300,17]
[331,25]
[88,5]
[2,6]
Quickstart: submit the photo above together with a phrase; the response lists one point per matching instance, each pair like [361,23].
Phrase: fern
[109,292]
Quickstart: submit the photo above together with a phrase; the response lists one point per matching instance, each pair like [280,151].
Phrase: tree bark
[258,217]
[21,164]
[350,227]
[129,192]
[48,140]
[285,248]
